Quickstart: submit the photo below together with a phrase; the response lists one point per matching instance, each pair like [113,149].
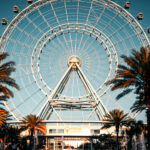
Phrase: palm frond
[3,98]
[11,82]
[138,106]
[115,118]
[134,74]
[123,93]
[4,90]
[3,56]
[5,80]
[3,115]
[33,122]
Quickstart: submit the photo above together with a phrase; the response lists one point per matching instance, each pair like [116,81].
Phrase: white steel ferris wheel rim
[130,20]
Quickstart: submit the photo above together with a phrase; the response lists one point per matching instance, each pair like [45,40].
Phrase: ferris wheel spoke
[45,20]
[75,46]
[58,21]
[10,109]
[22,100]
[19,54]
[34,38]
[20,43]
[34,25]
[109,23]
[25,86]
[100,16]
[28,98]
[120,37]
[54,13]
[120,28]
[54,47]
[117,24]
[38,104]
[50,26]
[78,6]
[68,23]
[116,104]
[87,19]
[90,47]
[84,44]
[26,33]
[127,38]
[81,39]
[24,65]
[83,53]
[71,43]
[62,44]
[24,75]
[124,51]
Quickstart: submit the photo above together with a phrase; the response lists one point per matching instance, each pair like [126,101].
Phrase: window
[56,130]
[93,131]
[52,131]
[60,131]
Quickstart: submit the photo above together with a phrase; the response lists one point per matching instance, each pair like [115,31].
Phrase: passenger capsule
[30,1]
[4,21]
[148,30]
[15,9]
[127,5]
[140,16]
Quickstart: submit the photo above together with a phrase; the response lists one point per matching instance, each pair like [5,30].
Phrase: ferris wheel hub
[74,60]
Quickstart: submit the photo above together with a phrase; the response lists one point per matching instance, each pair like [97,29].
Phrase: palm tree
[4,116]
[116,118]
[33,123]
[135,128]
[135,77]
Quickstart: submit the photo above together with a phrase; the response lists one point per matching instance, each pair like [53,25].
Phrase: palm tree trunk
[31,140]
[117,142]
[148,126]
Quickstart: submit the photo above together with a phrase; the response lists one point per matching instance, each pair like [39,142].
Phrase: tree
[135,128]
[116,118]
[33,123]
[134,76]
[11,133]
[4,125]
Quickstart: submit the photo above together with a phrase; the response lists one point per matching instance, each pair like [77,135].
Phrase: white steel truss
[93,102]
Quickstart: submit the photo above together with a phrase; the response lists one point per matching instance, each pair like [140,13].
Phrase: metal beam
[54,102]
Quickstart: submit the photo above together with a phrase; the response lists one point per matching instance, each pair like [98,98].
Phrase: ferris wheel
[65,51]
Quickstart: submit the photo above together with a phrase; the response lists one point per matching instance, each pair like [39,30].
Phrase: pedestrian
[9,147]
[1,145]
[14,146]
